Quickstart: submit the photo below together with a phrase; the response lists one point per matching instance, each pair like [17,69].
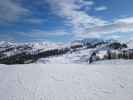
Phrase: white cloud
[88,3]
[118,26]
[34,21]
[83,24]
[86,25]
[126,20]
[10,11]
[41,33]
[114,37]
[79,19]
[101,8]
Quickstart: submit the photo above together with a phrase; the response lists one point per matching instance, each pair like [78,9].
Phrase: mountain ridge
[20,53]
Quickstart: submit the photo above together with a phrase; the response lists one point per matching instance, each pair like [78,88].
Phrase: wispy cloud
[86,2]
[101,8]
[126,20]
[78,19]
[10,11]
[42,33]
[86,25]
[76,14]
[34,21]
[118,26]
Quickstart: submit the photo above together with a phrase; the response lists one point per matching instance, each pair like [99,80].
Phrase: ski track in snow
[66,82]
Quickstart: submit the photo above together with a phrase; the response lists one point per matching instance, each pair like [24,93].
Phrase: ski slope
[105,81]
[78,57]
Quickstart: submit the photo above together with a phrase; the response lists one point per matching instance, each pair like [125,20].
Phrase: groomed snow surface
[99,81]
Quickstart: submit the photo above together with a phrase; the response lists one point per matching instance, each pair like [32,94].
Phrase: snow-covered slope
[67,82]
[9,50]
[81,57]
[130,44]
[75,52]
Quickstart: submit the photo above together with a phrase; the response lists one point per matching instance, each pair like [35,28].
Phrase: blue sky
[65,20]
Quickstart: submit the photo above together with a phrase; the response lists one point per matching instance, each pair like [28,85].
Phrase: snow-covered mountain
[90,41]
[78,51]
[130,44]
